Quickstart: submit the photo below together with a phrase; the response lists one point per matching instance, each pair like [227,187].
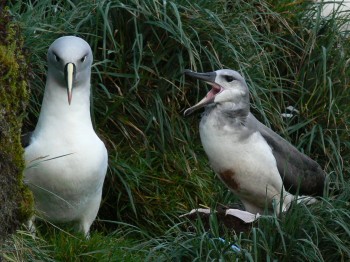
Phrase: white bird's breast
[65,174]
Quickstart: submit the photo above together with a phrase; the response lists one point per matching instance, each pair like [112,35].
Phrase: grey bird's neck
[230,113]
[230,120]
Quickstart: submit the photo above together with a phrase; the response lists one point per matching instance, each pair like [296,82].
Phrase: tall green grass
[288,54]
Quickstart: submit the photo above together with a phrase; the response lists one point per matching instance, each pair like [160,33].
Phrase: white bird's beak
[69,74]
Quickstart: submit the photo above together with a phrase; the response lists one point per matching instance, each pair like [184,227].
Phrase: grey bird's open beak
[69,73]
[209,98]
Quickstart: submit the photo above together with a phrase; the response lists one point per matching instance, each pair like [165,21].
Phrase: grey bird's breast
[239,156]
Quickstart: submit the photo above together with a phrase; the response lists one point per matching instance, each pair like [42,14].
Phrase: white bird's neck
[56,114]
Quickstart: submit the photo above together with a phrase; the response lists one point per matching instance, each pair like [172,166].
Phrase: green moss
[15,198]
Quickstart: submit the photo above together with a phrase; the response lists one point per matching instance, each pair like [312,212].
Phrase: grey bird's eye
[83,59]
[229,78]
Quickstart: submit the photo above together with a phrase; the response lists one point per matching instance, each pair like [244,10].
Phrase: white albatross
[66,162]
[251,160]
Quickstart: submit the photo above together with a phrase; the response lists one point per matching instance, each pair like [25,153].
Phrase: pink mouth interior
[216,89]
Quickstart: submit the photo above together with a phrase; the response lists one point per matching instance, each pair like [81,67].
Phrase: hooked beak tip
[187,71]
[69,97]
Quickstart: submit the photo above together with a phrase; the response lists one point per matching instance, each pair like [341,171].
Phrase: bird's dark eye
[57,58]
[83,59]
[229,78]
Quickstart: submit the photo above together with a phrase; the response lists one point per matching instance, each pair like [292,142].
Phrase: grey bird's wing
[298,171]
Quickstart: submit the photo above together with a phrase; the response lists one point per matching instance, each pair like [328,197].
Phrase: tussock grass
[289,55]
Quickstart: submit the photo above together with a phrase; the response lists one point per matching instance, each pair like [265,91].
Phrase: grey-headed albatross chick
[66,161]
[251,159]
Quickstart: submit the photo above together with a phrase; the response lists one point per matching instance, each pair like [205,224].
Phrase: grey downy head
[229,91]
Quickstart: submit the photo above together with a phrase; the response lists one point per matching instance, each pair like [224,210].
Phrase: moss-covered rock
[15,198]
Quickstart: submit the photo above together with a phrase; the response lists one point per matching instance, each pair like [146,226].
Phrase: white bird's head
[229,90]
[69,63]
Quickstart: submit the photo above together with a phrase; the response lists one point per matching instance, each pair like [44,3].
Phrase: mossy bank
[15,198]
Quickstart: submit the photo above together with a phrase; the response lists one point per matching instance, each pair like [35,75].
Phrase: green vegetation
[288,54]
